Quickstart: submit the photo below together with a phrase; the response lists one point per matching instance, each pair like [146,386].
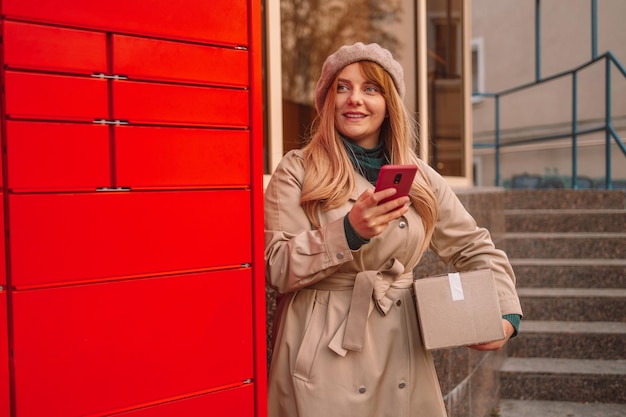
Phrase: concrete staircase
[568,249]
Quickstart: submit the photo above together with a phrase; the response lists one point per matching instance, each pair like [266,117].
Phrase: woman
[343,348]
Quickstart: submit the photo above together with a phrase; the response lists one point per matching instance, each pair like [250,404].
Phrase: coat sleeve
[296,255]
[458,241]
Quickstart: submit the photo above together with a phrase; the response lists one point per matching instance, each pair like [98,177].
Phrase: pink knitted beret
[349,54]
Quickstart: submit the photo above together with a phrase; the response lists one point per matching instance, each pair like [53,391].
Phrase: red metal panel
[153,103]
[142,58]
[3,263]
[126,332]
[257,166]
[43,96]
[235,402]
[219,22]
[5,394]
[100,348]
[57,238]
[57,156]
[3,143]
[157,157]
[42,47]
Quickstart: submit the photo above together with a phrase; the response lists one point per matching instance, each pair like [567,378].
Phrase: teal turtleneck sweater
[366,161]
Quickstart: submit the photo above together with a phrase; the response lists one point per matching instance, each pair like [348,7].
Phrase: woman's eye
[371,89]
[342,87]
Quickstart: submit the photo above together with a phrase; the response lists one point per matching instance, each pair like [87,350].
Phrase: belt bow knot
[371,288]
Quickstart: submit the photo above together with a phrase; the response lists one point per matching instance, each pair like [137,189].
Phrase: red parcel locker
[45,48]
[156,103]
[70,238]
[134,162]
[232,402]
[55,97]
[215,22]
[57,156]
[152,59]
[114,346]
[165,157]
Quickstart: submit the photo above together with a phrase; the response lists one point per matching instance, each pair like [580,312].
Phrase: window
[446,87]
[478,70]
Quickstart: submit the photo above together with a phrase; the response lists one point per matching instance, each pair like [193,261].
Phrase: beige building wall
[506,31]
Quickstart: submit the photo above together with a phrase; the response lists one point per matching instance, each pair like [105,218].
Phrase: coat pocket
[312,338]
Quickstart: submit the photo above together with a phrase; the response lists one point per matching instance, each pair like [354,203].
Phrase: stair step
[569,340]
[564,199]
[565,245]
[573,304]
[551,379]
[574,273]
[567,249]
[565,220]
[518,408]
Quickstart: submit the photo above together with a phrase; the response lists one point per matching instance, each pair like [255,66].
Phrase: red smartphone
[399,177]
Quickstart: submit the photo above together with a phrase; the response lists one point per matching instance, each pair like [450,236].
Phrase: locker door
[142,58]
[54,97]
[39,47]
[160,157]
[153,103]
[216,21]
[57,156]
[82,237]
[233,402]
[125,344]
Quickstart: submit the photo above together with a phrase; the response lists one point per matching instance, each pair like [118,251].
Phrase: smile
[354,115]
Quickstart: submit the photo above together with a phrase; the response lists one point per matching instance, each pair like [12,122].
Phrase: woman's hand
[369,219]
[498,344]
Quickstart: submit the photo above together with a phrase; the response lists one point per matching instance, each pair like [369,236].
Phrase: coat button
[399,303]
[340,255]
[402,224]
[402,385]
[362,390]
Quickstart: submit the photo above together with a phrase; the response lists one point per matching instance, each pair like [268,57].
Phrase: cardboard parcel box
[458,309]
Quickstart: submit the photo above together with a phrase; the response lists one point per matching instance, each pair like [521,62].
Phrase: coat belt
[371,289]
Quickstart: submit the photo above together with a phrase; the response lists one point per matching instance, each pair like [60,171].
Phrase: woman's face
[360,107]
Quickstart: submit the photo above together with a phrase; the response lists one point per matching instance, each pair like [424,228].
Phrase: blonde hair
[329,178]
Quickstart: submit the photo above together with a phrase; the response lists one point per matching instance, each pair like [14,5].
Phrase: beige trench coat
[338,352]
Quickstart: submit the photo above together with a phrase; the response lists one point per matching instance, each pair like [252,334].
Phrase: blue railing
[608,127]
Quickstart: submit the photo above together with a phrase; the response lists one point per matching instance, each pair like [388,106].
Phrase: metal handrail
[608,127]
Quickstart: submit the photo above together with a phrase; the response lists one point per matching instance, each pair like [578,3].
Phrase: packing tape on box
[455,286]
